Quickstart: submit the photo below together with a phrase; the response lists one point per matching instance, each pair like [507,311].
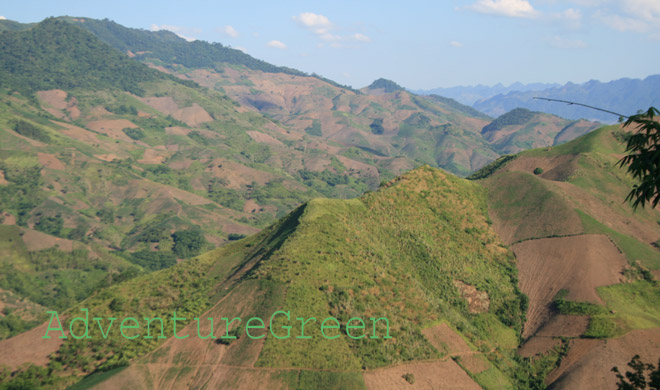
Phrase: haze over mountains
[126,153]
[624,96]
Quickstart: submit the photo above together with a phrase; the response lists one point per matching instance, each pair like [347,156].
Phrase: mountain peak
[387,85]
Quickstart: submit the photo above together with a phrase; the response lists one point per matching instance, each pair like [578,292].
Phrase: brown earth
[557,168]
[36,241]
[151,156]
[478,301]
[7,219]
[564,325]
[237,175]
[474,364]
[3,181]
[78,133]
[50,161]
[538,345]
[428,375]
[258,136]
[30,347]
[55,102]
[113,128]
[192,116]
[612,214]
[444,338]
[578,264]
[588,363]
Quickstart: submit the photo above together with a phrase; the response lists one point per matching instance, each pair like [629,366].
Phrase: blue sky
[418,44]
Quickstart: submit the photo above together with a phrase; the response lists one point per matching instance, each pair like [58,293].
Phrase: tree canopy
[643,158]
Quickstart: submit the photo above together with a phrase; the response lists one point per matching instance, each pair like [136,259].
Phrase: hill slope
[521,129]
[446,286]
[588,263]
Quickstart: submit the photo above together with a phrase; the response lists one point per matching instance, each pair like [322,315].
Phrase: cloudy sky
[419,44]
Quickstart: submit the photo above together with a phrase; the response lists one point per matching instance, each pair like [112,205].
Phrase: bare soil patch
[538,345]
[429,375]
[7,219]
[478,301]
[444,338]
[78,133]
[237,175]
[578,264]
[258,136]
[474,364]
[151,156]
[3,181]
[50,161]
[588,363]
[113,128]
[36,241]
[557,168]
[564,326]
[191,116]
[30,347]
[55,102]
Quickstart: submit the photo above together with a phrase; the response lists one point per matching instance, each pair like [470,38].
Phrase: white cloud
[641,16]
[183,32]
[325,30]
[511,8]
[276,44]
[455,44]
[318,23]
[3,18]
[361,37]
[565,43]
[230,31]
[623,23]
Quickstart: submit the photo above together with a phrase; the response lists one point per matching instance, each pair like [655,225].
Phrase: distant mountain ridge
[624,96]
[469,95]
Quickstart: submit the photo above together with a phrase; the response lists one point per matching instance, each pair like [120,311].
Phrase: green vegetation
[643,158]
[491,168]
[315,128]
[167,47]
[388,85]
[54,63]
[638,378]
[31,131]
[136,134]
[538,171]
[518,116]
[188,243]
[460,107]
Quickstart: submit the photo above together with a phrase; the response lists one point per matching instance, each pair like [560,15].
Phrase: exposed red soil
[151,156]
[55,102]
[578,264]
[7,219]
[478,301]
[113,128]
[78,133]
[36,241]
[429,375]
[622,220]
[538,345]
[474,364]
[50,161]
[30,347]
[444,338]
[237,175]
[557,168]
[588,363]
[3,181]
[564,325]
[258,136]
[192,116]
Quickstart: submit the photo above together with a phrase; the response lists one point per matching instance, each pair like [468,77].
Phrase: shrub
[538,171]
[409,377]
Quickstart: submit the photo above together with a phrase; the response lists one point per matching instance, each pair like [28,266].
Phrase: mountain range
[126,156]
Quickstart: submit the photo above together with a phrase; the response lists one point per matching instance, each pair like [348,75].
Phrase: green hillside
[337,258]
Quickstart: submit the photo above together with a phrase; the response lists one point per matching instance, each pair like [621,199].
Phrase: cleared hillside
[585,259]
